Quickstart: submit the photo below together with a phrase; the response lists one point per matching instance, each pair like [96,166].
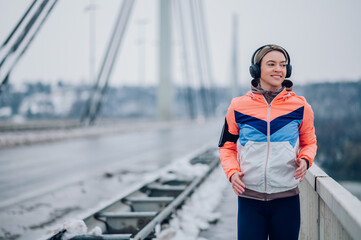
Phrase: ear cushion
[289,70]
[255,71]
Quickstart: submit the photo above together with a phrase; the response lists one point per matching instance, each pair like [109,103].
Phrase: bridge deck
[43,184]
[226,226]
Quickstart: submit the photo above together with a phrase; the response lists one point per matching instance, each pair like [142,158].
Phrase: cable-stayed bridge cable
[5,79]
[94,103]
[25,31]
[179,20]
[18,24]
[206,55]
[200,65]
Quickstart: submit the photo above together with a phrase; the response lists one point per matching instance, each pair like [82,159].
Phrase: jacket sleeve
[308,142]
[228,144]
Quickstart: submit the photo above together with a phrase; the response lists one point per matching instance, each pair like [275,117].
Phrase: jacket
[270,139]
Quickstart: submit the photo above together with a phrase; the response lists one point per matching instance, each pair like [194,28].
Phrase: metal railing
[329,211]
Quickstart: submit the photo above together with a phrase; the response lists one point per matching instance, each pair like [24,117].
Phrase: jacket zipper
[268,142]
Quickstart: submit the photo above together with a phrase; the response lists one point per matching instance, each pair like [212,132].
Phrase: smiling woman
[277,144]
[273,72]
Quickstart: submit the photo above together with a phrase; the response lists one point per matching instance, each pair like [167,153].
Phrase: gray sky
[323,38]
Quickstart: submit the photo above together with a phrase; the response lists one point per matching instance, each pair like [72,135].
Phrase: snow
[77,227]
[47,215]
[74,228]
[40,215]
[194,216]
[5,112]
[199,209]
[62,100]
[183,170]
[97,231]
[19,87]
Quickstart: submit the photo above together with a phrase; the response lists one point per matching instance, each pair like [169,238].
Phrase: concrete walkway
[226,227]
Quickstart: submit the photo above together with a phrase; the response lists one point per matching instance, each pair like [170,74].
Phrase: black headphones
[255,69]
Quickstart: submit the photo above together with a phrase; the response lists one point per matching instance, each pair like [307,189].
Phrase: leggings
[279,219]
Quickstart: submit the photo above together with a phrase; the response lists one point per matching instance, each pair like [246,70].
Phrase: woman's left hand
[301,170]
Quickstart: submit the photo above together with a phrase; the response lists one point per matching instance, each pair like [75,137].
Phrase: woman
[277,144]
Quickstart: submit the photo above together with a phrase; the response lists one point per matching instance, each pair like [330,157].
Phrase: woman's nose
[277,68]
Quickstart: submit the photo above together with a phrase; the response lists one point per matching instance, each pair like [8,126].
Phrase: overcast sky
[323,38]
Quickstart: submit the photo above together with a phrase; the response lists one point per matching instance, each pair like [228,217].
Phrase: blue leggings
[279,219]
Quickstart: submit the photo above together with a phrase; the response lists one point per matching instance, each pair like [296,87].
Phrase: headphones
[255,68]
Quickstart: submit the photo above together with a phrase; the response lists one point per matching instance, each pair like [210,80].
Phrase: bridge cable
[204,37]
[25,32]
[95,92]
[94,103]
[203,54]
[187,77]
[126,10]
[17,25]
[201,75]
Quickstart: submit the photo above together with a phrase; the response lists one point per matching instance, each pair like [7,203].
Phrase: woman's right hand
[237,184]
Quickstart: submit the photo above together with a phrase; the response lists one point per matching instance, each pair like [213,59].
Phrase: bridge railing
[328,210]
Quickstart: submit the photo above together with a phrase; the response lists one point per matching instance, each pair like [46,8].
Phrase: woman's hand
[237,184]
[302,168]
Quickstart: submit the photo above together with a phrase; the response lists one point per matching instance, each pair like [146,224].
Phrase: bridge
[58,168]
[46,184]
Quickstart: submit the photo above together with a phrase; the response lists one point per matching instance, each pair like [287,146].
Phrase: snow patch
[74,228]
[77,228]
[198,211]
[97,231]
[5,112]
[184,170]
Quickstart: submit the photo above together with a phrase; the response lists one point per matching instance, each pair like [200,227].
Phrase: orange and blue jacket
[270,138]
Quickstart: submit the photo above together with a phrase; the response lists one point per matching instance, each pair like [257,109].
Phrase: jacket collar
[255,85]
[285,92]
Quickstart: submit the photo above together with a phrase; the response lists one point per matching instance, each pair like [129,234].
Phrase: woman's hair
[267,49]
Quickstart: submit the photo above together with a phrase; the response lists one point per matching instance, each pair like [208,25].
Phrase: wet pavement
[226,226]
[44,184]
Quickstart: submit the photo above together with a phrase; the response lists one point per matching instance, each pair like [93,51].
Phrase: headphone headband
[272,47]
[255,68]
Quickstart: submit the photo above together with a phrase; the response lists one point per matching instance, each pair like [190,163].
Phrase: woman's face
[273,70]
